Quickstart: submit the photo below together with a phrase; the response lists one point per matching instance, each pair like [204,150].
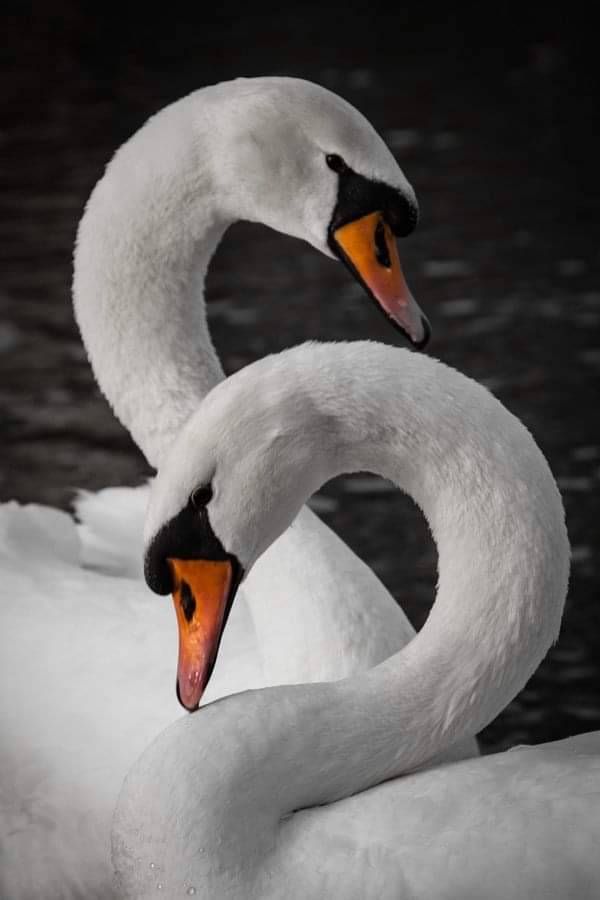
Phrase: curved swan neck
[144,244]
[497,518]
[252,149]
[494,510]
[498,522]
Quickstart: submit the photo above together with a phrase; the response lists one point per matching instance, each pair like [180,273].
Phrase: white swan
[87,671]
[280,151]
[211,807]
[85,652]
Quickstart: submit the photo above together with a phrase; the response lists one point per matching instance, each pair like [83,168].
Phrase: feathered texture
[518,824]
[265,439]
[87,654]
[87,668]
[110,527]
[247,149]
[77,703]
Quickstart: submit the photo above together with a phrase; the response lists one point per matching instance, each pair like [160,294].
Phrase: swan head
[306,163]
[235,478]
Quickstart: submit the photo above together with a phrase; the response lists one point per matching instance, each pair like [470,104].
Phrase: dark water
[496,127]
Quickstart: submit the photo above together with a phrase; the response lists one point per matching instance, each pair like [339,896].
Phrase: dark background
[494,118]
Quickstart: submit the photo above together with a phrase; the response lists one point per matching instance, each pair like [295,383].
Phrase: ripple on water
[367,485]
[591,298]
[587,453]
[10,336]
[567,675]
[580,554]
[494,383]
[567,654]
[587,319]
[588,713]
[322,504]
[403,138]
[446,140]
[591,357]
[463,306]
[532,715]
[569,268]
[523,238]
[361,78]
[446,268]
[574,484]
[550,309]
[231,313]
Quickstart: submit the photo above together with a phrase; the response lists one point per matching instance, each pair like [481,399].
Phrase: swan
[280,151]
[77,623]
[287,791]
[87,661]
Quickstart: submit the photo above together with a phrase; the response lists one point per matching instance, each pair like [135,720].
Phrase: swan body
[523,823]
[517,824]
[230,801]
[69,636]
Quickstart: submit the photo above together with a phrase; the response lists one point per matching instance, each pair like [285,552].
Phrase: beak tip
[419,336]
[189,708]
[421,342]
[202,597]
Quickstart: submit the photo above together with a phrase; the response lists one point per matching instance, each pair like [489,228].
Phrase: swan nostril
[188,601]
[382,253]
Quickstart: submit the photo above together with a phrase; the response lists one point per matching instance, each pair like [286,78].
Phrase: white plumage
[87,654]
[228,802]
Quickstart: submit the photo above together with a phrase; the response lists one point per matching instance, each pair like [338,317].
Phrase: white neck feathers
[498,521]
[251,149]
[495,514]
[144,244]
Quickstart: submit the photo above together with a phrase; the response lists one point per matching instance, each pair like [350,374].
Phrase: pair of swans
[301,160]
[88,683]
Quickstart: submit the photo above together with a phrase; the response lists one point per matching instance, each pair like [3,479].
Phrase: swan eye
[201,496]
[336,163]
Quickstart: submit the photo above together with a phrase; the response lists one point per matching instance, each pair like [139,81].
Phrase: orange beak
[202,595]
[369,249]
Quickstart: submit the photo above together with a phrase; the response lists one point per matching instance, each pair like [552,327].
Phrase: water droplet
[191,891]
[159,886]
[152,865]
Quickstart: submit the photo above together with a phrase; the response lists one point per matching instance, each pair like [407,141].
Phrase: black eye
[336,163]
[201,496]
